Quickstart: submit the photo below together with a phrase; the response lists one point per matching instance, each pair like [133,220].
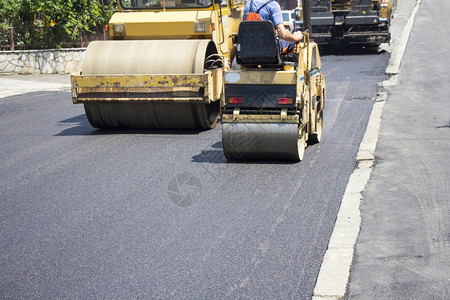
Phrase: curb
[335,270]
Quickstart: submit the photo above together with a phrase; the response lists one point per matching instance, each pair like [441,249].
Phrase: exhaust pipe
[306,5]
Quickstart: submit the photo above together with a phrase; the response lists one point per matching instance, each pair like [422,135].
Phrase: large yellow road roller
[273,104]
[162,68]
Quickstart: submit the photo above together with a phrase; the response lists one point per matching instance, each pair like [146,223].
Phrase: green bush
[53,23]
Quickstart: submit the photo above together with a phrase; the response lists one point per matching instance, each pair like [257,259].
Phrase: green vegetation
[53,23]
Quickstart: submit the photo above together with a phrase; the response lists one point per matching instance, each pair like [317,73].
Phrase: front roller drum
[151,57]
[152,115]
[261,141]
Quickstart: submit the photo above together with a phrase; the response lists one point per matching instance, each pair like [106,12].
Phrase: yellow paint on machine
[164,25]
[261,77]
[94,87]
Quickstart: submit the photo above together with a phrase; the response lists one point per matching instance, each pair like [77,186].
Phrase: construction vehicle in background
[163,67]
[345,22]
[273,104]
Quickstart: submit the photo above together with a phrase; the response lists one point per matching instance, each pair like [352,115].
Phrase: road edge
[334,272]
[400,47]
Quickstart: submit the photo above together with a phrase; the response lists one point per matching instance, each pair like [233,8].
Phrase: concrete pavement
[18,84]
[403,248]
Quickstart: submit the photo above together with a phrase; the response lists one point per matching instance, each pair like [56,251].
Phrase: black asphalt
[89,213]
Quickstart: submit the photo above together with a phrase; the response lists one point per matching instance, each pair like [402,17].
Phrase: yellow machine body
[386,10]
[161,54]
[90,88]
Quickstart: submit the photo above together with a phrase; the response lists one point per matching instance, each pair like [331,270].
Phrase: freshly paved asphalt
[97,212]
[125,214]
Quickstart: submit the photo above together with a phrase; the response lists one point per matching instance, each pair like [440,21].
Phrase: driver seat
[257,45]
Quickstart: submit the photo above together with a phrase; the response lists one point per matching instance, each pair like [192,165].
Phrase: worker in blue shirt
[271,10]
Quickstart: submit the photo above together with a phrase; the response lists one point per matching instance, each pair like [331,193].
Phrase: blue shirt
[271,11]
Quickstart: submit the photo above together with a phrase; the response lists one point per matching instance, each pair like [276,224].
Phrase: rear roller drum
[259,141]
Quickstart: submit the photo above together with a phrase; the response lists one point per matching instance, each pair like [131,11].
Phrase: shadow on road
[214,155]
[81,126]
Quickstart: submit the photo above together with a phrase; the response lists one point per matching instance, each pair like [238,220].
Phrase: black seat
[257,45]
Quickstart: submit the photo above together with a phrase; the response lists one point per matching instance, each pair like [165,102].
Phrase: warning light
[284,101]
[235,100]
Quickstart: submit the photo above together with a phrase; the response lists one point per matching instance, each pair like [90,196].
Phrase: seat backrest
[257,44]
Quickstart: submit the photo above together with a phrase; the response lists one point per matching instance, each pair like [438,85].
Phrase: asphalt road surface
[87,213]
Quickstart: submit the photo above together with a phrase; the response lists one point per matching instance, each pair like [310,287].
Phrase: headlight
[118,30]
[200,27]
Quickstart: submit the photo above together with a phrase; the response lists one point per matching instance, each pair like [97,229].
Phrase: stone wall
[51,61]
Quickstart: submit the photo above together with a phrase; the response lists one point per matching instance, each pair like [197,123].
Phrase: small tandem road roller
[273,105]
[163,67]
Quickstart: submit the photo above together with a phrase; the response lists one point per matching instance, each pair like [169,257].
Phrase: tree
[72,16]
[17,11]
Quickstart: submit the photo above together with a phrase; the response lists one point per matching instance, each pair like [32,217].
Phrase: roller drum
[261,141]
[149,57]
